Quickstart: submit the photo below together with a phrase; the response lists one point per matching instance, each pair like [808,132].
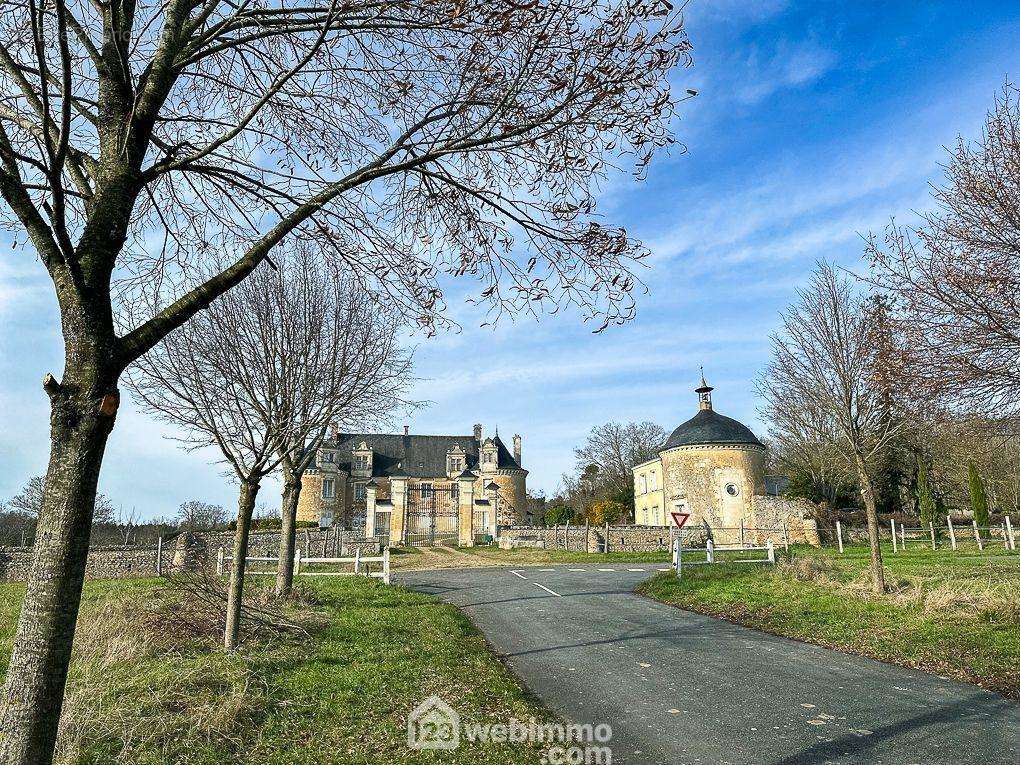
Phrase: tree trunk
[34,690]
[868,495]
[245,507]
[288,531]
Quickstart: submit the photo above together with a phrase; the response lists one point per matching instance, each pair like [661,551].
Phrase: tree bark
[868,495]
[245,507]
[34,690]
[288,531]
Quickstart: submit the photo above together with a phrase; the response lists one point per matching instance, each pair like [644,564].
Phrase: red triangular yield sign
[680,519]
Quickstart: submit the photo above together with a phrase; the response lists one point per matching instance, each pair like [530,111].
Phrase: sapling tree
[153,154]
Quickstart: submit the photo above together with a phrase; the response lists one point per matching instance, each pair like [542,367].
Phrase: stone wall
[103,562]
[593,538]
[773,517]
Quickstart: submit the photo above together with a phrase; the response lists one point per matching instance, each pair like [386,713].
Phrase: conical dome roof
[709,427]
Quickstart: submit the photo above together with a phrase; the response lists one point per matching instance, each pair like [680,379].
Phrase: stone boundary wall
[593,538]
[103,562]
[188,551]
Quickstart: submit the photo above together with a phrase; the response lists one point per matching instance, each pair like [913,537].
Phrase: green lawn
[144,693]
[954,614]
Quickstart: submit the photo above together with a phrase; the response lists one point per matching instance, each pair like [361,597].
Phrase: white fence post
[892,523]
[786,536]
[357,560]
[159,556]
[977,534]
[386,566]
[772,552]
[903,537]
[931,526]
[219,562]
[1009,534]
[710,551]
[952,531]
[839,535]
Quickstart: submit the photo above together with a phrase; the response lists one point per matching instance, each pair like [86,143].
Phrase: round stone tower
[712,466]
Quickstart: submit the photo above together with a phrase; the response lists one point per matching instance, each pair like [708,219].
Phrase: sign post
[678,550]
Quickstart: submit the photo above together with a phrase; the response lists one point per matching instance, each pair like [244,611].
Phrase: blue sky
[816,122]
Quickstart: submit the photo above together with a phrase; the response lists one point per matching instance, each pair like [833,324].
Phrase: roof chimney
[478,432]
[517,449]
[407,429]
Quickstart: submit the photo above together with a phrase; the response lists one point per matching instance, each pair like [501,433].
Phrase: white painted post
[679,555]
[772,552]
[786,536]
[892,523]
[357,560]
[952,532]
[159,556]
[931,527]
[839,536]
[219,562]
[566,537]
[977,534]
[1009,534]
[903,537]
[386,566]
[710,551]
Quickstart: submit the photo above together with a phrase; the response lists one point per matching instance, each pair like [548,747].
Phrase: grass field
[143,691]
[954,614]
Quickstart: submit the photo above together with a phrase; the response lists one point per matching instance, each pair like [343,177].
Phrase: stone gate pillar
[398,518]
[466,510]
[370,489]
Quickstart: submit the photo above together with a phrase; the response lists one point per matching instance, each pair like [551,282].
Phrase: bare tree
[821,384]
[203,380]
[954,279]
[30,499]
[141,141]
[329,353]
[614,449]
[127,522]
[196,515]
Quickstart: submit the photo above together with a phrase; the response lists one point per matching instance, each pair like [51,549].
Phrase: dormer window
[329,457]
[456,461]
[361,462]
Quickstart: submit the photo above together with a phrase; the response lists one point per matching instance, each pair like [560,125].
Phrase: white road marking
[642,664]
[607,569]
[547,589]
[518,574]
[577,569]
[635,569]
[665,569]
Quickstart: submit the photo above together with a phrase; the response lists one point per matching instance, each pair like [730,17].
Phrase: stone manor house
[713,468]
[416,489]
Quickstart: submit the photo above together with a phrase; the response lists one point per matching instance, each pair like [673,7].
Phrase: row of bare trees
[264,372]
[154,154]
[920,355]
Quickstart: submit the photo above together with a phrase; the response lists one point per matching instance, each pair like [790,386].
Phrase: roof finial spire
[704,392]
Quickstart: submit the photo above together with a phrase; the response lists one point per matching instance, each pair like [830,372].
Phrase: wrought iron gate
[432,513]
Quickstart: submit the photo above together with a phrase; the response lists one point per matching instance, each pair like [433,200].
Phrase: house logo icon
[433,724]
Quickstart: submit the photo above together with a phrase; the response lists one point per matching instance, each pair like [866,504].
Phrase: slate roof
[414,456]
[710,427]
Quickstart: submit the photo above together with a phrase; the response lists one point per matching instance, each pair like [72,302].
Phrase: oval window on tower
[732,490]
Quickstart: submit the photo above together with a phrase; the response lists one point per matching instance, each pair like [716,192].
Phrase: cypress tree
[978,499]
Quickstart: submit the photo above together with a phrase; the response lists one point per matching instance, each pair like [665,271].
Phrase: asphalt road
[679,687]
